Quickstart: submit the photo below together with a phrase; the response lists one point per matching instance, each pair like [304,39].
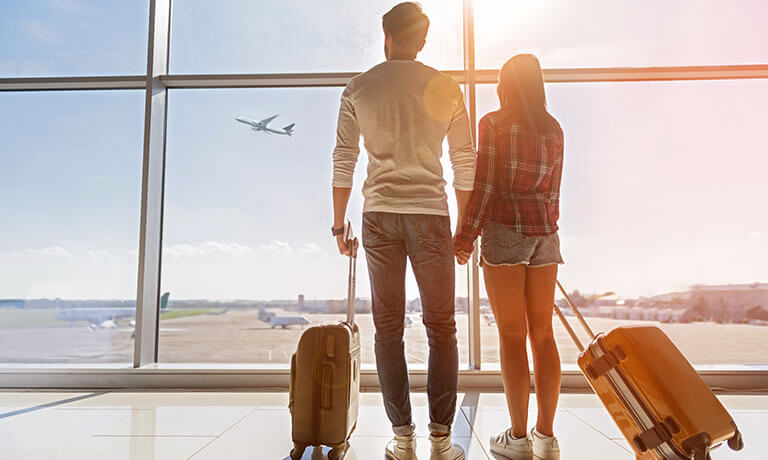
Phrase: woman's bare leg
[506,291]
[540,297]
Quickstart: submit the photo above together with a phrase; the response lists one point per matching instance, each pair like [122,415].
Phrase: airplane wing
[266,121]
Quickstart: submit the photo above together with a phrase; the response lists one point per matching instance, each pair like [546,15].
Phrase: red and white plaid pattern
[517,180]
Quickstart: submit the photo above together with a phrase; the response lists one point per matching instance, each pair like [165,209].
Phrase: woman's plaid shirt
[517,180]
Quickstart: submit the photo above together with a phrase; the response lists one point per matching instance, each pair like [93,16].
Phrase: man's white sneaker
[545,447]
[507,446]
[443,449]
[402,448]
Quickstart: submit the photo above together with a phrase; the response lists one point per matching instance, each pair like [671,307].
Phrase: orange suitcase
[661,405]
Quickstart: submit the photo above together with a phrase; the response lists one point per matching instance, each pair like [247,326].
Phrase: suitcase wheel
[337,453]
[297,451]
[736,442]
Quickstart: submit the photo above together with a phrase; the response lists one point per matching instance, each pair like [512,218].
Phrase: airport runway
[240,337]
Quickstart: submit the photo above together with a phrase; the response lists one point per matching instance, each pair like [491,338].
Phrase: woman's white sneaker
[545,447]
[506,445]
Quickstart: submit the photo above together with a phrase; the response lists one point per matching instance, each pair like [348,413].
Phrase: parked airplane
[281,321]
[265,315]
[104,318]
[262,125]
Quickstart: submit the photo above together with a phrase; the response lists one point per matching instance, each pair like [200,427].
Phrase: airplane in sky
[104,318]
[281,321]
[262,125]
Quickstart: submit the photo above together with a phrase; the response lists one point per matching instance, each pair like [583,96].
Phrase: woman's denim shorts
[500,245]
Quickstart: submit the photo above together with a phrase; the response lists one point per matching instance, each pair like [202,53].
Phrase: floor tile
[578,440]
[17,400]
[125,400]
[178,421]
[135,448]
[44,434]
[252,425]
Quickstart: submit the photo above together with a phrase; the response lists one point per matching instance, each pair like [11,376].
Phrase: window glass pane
[662,204]
[247,230]
[622,33]
[73,37]
[69,218]
[240,36]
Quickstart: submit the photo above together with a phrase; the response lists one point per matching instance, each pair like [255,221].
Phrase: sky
[663,184]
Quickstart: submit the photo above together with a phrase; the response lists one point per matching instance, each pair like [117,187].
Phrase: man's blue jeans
[389,239]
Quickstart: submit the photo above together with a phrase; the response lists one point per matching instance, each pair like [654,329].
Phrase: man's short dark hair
[407,24]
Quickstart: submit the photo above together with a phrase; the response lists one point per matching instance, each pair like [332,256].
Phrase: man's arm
[462,201]
[340,200]
[344,160]
[462,153]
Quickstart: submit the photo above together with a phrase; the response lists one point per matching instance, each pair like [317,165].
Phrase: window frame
[146,371]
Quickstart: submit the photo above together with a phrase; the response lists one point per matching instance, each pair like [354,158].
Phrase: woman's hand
[462,255]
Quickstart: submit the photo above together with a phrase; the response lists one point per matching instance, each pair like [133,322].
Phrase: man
[404,110]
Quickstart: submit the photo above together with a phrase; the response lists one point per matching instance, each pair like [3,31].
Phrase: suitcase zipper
[315,389]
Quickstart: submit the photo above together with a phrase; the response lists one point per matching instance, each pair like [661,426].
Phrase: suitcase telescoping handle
[576,312]
[351,241]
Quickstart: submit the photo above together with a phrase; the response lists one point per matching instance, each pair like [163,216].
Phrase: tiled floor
[256,426]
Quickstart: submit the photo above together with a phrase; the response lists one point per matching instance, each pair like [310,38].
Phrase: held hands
[462,255]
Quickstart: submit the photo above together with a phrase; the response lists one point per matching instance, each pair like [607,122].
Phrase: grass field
[12,318]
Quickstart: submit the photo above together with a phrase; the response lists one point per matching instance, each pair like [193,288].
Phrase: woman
[515,204]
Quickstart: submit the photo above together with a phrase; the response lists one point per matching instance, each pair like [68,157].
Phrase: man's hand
[345,248]
[462,255]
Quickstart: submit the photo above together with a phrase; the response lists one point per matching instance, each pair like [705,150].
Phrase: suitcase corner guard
[656,436]
[605,363]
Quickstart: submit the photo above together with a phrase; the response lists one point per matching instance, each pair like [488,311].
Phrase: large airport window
[70,183]
[622,33]
[73,38]
[240,36]
[248,258]
[661,212]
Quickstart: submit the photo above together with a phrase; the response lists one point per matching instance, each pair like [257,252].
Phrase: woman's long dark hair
[521,94]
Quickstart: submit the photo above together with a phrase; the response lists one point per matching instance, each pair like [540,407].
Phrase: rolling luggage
[659,402]
[325,379]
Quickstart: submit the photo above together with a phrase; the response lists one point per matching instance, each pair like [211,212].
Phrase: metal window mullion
[473,281]
[152,187]
[340,79]
[73,83]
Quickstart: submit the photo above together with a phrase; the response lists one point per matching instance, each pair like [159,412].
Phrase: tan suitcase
[661,405]
[325,380]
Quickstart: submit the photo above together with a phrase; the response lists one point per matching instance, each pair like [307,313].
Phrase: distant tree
[701,310]
[756,313]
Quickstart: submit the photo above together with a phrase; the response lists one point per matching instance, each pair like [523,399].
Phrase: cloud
[207,248]
[310,248]
[756,234]
[277,246]
[39,32]
[98,254]
[52,251]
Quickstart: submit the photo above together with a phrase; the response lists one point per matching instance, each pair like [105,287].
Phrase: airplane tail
[164,300]
[289,129]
